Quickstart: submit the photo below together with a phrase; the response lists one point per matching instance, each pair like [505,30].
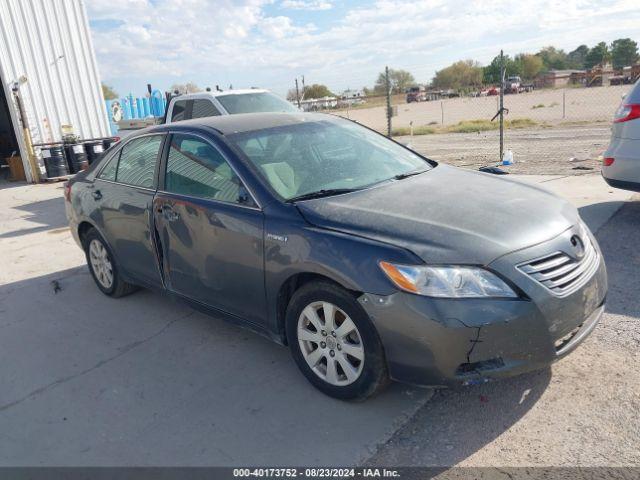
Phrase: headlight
[447,281]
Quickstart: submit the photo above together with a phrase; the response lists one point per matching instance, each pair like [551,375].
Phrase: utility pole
[388,88]
[297,93]
[501,110]
[303,88]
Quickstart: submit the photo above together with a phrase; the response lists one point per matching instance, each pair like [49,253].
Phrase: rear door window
[178,113]
[109,171]
[138,161]
[204,108]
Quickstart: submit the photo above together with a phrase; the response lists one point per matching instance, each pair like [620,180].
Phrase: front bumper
[447,342]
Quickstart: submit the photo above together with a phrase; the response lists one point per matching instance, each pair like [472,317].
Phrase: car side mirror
[244,198]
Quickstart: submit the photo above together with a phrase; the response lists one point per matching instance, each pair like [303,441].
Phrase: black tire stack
[55,162]
[77,157]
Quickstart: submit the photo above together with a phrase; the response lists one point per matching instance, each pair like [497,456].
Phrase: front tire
[103,267]
[334,343]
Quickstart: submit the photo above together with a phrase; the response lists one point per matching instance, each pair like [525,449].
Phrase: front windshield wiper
[322,193]
[400,176]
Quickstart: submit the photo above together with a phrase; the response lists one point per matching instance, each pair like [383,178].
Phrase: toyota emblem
[578,246]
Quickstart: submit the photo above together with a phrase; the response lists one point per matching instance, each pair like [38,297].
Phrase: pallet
[57,179]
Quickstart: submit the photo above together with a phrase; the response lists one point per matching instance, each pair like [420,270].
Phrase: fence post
[441,112]
[502,73]
[388,87]
[564,109]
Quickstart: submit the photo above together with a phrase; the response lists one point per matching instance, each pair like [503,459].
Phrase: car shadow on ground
[458,422]
[44,215]
[619,240]
[143,380]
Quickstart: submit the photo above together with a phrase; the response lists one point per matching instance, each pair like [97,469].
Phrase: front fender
[349,260]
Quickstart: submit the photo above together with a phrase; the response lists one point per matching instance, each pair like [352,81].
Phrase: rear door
[211,230]
[123,194]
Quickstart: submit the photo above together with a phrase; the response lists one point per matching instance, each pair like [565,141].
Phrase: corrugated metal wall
[48,42]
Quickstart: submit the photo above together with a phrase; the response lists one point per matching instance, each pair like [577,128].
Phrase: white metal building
[47,56]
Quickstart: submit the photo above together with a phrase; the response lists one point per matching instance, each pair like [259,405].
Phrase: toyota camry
[370,261]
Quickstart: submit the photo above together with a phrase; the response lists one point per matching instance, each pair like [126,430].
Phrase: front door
[210,230]
[124,191]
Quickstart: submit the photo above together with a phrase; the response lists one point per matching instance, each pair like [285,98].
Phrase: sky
[340,43]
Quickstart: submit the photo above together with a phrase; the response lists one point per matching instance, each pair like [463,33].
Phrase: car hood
[448,215]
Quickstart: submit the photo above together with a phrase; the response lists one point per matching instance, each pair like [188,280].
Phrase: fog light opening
[479,367]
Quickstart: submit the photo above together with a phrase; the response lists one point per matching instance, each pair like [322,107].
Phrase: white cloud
[306,4]
[225,39]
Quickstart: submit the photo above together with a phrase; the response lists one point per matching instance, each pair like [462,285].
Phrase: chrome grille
[561,273]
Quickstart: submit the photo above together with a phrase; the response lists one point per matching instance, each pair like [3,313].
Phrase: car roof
[244,122]
[218,93]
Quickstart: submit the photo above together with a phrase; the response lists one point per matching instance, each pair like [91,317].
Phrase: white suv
[621,164]
[229,102]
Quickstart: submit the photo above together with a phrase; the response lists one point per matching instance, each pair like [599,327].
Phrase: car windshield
[254,102]
[324,156]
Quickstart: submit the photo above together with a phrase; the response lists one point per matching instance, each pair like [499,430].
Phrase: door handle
[97,195]
[168,213]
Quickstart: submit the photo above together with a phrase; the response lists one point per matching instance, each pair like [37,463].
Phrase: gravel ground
[542,106]
[583,411]
[540,151]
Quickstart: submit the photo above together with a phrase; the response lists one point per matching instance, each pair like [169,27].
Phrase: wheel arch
[291,285]
[83,229]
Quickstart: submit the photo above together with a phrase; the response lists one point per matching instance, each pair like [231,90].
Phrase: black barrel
[107,142]
[76,157]
[55,162]
[94,150]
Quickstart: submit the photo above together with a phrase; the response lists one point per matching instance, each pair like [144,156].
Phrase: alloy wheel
[101,264]
[330,343]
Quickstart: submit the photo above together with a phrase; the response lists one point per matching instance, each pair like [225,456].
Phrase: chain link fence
[548,130]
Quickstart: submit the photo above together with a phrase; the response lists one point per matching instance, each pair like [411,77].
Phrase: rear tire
[103,267]
[334,343]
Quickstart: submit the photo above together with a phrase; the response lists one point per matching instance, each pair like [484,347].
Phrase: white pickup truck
[210,104]
[229,102]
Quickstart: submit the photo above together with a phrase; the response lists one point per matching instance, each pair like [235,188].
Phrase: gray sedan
[621,163]
[368,260]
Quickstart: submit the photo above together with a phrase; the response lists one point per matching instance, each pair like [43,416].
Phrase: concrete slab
[88,380]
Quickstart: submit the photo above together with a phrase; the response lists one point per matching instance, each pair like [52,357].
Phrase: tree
[108,92]
[315,91]
[529,65]
[578,56]
[598,55]
[291,95]
[464,73]
[553,58]
[189,87]
[491,73]
[400,81]
[624,52]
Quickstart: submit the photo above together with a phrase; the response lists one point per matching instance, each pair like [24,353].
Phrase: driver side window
[196,168]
